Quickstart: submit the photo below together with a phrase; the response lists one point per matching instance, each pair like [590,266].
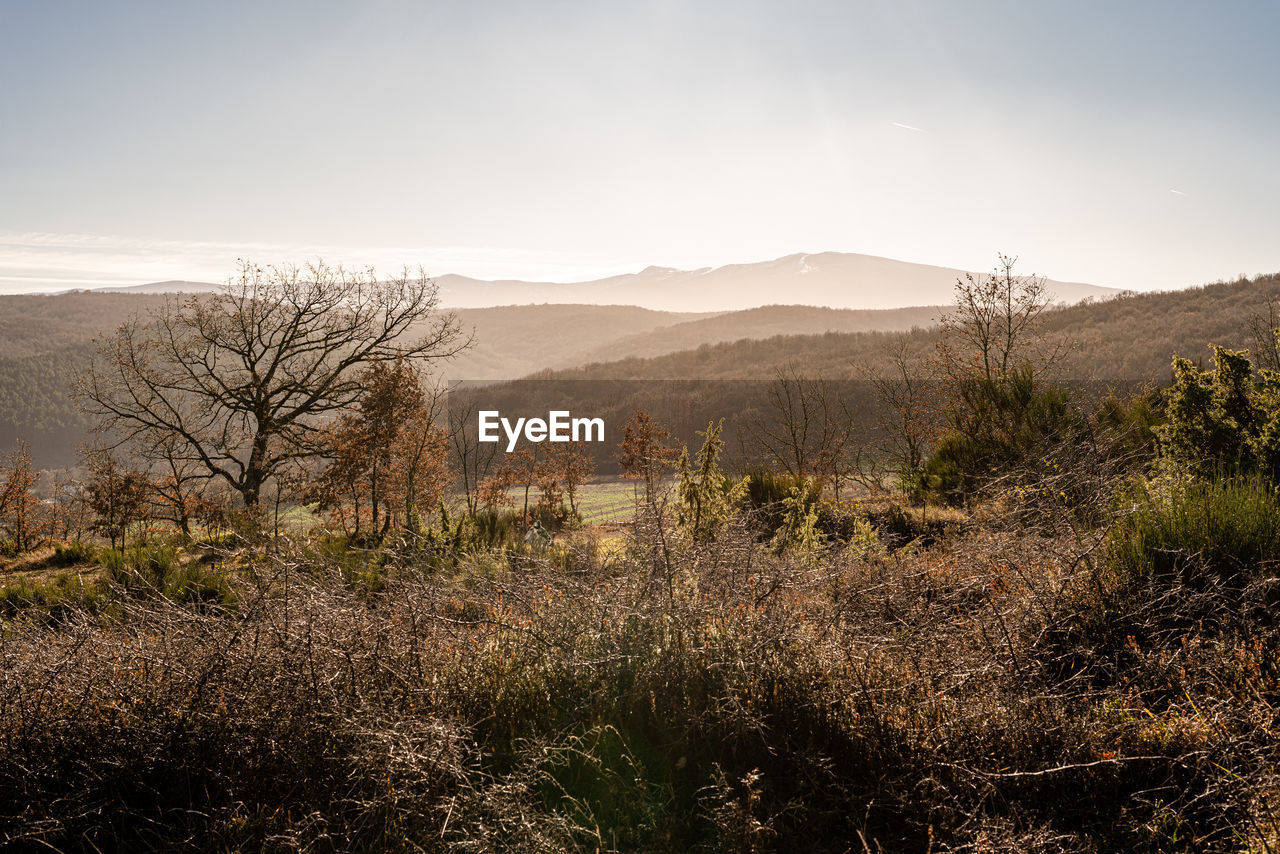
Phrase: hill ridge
[840,280]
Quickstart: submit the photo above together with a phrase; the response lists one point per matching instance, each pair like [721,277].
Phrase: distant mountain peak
[826,279]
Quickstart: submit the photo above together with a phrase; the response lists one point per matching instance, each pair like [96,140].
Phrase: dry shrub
[715,696]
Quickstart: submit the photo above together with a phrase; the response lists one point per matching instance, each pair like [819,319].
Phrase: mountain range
[830,279]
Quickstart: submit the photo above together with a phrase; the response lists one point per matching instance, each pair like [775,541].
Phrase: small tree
[549,478]
[525,470]
[804,429]
[117,495]
[388,456]
[420,473]
[473,460]
[575,465]
[991,360]
[643,453]
[494,491]
[72,515]
[177,483]
[707,494]
[26,522]
[799,529]
[906,418]
[994,327]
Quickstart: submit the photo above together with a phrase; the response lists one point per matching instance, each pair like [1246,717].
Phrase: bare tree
[992,342]
[1265,328]
[177,480]
[422,473]
[242,380]
[474,460]
[805,429]
[906,417]
[71,511]
[994,326]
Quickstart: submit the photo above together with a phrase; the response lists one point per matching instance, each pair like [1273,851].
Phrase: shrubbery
[1222,533]
[767,704]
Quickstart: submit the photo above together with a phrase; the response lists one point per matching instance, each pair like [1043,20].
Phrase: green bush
[766,487]
[157,570]
[112,561]
[707,498]
[1224,419]
[1131,424]
[71,554]
[64,592]
[495,528]
[767,495]
[1198,532]
[1003,422]
[199,585]
[554,517]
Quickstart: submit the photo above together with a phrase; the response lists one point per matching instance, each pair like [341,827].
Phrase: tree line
[314,385]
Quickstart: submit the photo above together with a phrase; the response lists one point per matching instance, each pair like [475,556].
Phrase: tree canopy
[244,380]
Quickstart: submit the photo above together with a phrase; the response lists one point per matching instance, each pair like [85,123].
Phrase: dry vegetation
[1056,634]
[998,691]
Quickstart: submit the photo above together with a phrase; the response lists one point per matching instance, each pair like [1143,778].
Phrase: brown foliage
[25,520]
[388,459]
[643,453]
[117,495]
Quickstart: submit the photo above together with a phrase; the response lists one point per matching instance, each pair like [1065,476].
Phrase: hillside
[172,286]
[1130,337]
[764,322]
[513,340]
[32,325]
[45,340]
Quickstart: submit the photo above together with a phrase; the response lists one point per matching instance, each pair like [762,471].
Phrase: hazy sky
[1128,144]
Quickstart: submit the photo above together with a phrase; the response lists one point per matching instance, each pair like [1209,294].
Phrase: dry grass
[729,700]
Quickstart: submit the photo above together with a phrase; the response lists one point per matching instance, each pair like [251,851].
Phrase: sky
[1132,145]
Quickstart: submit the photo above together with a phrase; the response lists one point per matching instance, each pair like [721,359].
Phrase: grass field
[601,501]
[612,500]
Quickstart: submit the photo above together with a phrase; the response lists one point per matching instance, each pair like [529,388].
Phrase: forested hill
[1130,337]
[45,340]
[764,322]
[32,325]
[1133,336]
[513,340]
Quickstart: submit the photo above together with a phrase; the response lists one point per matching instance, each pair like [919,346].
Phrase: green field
[600,501]
[611,500]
